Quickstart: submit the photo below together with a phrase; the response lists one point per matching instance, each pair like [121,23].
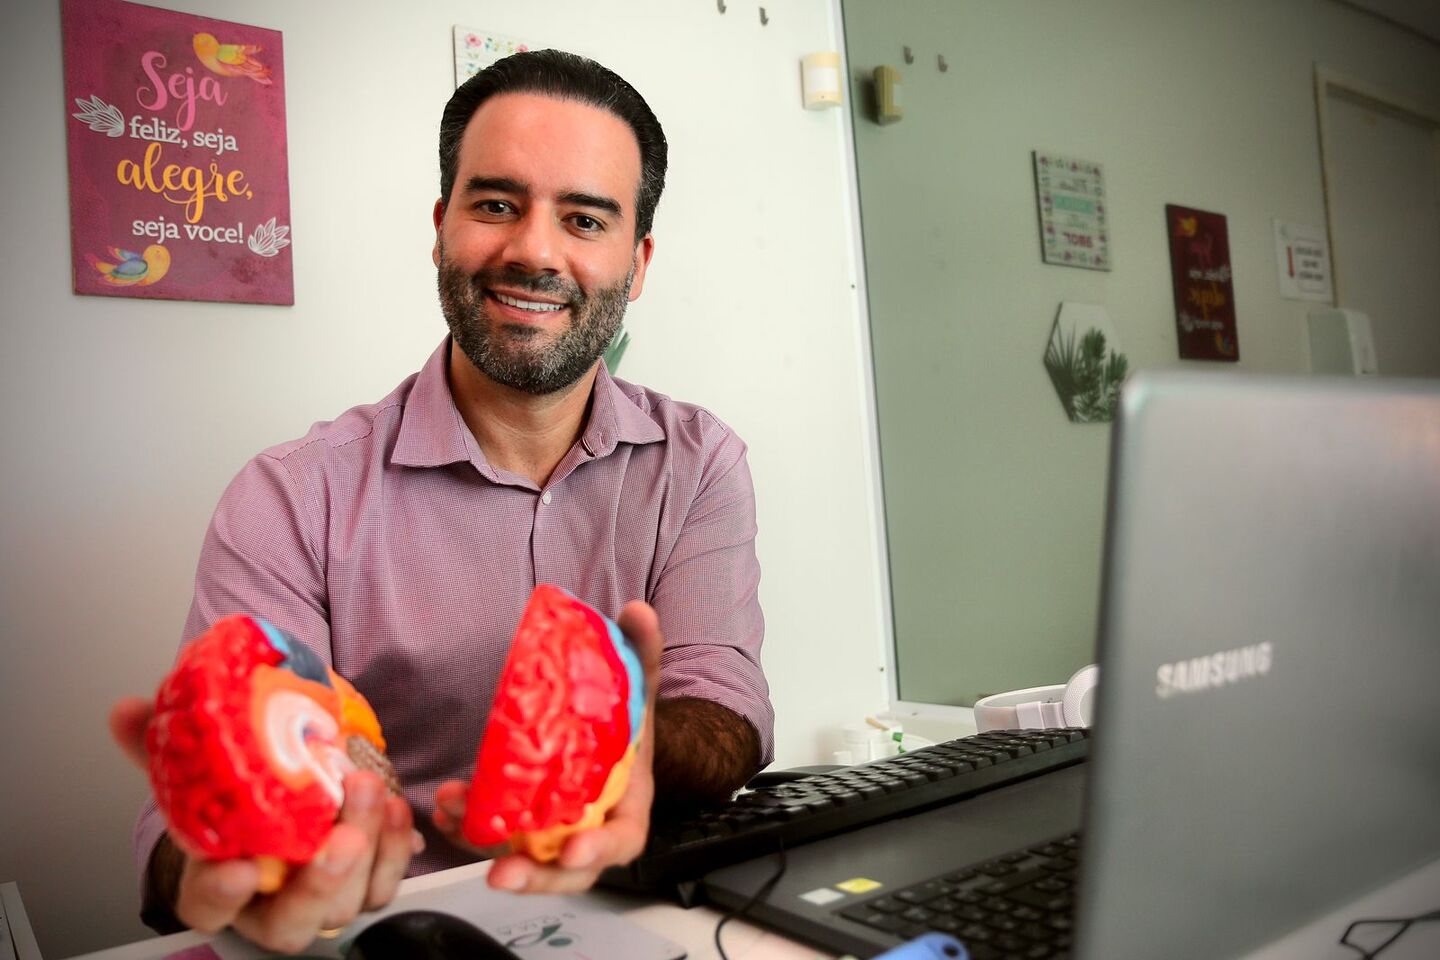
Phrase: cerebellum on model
[250,743]
[563,731]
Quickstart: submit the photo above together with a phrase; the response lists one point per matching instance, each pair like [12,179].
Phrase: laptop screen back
[1267,732]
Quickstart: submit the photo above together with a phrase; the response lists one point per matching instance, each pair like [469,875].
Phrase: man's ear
[438,215]
[644,250]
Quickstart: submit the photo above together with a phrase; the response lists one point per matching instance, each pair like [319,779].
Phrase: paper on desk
[533,927]
[567,929]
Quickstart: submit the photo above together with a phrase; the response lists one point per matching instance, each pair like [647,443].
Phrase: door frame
[1329,81]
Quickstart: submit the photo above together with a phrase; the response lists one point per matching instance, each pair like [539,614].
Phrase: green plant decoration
[616,350]
[1086,368]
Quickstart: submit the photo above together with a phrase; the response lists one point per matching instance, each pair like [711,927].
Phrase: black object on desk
[867,891]
[754,824]
[426,935]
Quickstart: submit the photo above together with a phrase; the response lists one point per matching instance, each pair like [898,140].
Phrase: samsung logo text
[1214,670]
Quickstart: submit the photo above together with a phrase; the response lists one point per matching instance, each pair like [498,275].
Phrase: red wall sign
[1204,295]
[179,183]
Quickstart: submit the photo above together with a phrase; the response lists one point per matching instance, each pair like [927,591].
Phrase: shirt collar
[433,434]
[615,419]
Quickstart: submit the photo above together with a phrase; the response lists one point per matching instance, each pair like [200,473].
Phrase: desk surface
[694,929]
[17,941]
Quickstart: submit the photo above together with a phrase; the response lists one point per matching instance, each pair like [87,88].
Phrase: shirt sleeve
[707,600]
[260,557]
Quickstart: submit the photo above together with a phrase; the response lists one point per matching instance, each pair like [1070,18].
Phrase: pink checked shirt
[384,540]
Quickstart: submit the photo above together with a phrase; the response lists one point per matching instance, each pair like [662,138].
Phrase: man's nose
[533,244]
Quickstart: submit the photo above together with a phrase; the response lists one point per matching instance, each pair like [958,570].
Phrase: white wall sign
[476,49]
[1071,195]
[1303,261]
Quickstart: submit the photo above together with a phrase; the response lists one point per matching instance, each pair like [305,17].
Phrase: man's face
[536,251]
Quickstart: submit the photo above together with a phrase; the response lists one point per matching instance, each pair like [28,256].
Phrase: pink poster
[179,183]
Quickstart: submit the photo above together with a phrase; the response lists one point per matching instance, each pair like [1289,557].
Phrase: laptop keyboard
[1019,905]
[820,805]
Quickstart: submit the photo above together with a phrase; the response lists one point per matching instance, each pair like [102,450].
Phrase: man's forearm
[703,752]
[162,885]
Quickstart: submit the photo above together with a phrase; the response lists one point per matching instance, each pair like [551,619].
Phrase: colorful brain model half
[563,732]
[251,739]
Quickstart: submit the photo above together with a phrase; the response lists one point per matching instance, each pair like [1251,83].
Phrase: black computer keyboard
[820,805]
[1018,906]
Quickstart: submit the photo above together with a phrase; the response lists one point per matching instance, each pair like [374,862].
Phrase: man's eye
[495,208]
[587,224]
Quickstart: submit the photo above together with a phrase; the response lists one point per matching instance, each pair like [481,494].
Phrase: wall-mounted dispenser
[820,80]
[887,95]
[1341,342]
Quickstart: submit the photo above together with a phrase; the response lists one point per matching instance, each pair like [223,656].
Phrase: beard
[516,355]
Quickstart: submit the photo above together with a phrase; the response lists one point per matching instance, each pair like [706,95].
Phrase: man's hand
[359,867]
[622,836]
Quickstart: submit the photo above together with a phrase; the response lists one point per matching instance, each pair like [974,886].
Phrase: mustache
[544,283]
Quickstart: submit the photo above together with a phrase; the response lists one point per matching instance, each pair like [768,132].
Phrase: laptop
[1266,745]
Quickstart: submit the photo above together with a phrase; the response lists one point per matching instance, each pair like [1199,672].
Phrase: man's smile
[533,306]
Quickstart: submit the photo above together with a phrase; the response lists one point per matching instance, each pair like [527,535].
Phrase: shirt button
[545,497]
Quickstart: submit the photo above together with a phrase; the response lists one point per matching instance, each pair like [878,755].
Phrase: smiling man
[535,273]
[401,540]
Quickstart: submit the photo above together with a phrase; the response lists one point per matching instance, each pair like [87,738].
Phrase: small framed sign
[476,49]
[1204,293]
[1302,255]
[1071,196]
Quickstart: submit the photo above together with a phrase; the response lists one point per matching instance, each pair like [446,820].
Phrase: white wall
[124,419]
[995,502]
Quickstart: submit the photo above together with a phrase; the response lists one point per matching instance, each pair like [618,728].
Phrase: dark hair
[564,76]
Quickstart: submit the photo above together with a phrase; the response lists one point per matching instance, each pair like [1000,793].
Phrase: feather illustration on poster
[179,179]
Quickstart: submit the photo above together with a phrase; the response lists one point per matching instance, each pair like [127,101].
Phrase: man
[402,540]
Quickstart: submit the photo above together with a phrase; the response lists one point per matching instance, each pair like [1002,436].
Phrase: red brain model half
[563,732]
[251,738]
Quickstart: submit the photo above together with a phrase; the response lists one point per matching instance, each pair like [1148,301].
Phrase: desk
[694,929]
[16,939]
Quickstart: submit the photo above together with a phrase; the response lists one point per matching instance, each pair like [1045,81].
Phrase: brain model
[563,732]
[251,738]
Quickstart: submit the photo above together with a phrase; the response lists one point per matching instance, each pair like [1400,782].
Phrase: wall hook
[764,18]
[940,58]
[909,57]
[720,5]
